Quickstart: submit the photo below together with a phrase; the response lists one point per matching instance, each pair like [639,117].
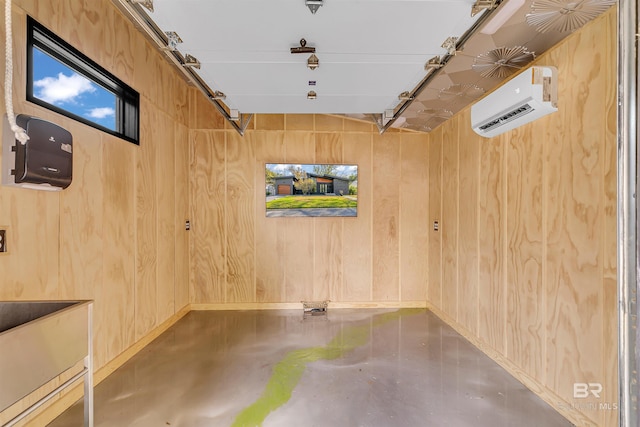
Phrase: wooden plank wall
[242,257]
[116,235]
[528,231]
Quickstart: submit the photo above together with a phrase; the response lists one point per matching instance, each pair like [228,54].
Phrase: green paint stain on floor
[287,373]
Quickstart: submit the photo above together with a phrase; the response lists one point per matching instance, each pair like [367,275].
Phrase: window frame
[127,99]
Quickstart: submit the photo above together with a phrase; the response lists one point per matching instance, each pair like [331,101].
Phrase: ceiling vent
[564,15]
[502,62]
[528,96]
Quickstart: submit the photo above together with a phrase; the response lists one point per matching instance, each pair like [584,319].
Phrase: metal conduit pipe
[627,188]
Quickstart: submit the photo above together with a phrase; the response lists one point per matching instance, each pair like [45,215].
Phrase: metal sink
[39,340]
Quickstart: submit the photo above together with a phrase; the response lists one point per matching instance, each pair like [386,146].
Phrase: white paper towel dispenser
[44,162]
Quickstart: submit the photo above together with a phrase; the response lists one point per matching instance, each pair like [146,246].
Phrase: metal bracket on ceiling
[146,3]
[433,64]
[313,5]
[303,48]
[191,61]
[173,40]
[481,5]
[406,96]
[451,45]
[243,121]
[217,95]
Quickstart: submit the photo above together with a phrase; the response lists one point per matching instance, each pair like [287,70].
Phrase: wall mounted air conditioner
[528,96]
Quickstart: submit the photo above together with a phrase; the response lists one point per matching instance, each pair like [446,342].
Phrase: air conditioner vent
[512,115]
[528,96]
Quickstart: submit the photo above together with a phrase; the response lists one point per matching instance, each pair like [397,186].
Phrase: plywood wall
[242,257]
[528,229]
[116,235]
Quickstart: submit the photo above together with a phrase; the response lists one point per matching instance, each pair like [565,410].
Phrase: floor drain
[315,308]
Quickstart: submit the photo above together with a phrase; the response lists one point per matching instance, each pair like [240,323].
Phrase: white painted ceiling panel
[365,49]
[370,51]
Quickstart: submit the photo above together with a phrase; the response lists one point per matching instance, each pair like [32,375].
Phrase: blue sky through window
[59,85]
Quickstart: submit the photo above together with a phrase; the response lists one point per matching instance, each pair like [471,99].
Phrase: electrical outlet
[3,240]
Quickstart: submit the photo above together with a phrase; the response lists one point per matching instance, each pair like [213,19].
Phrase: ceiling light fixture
[303,48]
[173,40]
[312,95]
[313,5]
[501,16]
[190,61]
[481,5]
[146,3]
[313,62]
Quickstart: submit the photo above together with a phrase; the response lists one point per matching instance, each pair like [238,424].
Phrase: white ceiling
[369,50]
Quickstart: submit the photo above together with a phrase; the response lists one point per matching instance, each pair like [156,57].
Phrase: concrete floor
[349,368]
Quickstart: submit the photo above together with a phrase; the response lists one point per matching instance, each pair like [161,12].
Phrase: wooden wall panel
[386,218]
[293,259]
[182,214]
[269,232]
[298,261]
[240,219]
[299,235]
[574,258]
[358,234]
[525,291]
[449,224]
[208,228]
[546,206]
[469,179]
[202,114]
[299,122]
[328,260]
[434,288]
[166,224]
[491,277]
[81,207]
[414,217]
[115,321]
[103,236]
[146,296]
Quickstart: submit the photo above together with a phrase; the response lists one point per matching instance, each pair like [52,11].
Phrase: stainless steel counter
[39,340]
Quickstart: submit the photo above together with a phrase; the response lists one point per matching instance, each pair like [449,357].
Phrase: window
[65,81]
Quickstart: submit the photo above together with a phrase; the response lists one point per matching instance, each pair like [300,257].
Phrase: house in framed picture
[322,184]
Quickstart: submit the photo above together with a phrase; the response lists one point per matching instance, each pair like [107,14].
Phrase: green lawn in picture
[299,202]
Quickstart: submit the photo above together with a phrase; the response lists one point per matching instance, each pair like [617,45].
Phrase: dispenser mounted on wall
[44,162]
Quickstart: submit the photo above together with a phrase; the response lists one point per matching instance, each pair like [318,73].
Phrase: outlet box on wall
[3,240]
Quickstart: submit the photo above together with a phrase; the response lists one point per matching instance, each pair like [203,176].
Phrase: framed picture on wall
[311,190]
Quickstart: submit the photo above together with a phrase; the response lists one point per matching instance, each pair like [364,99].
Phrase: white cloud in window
[62,88]
[102,112]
